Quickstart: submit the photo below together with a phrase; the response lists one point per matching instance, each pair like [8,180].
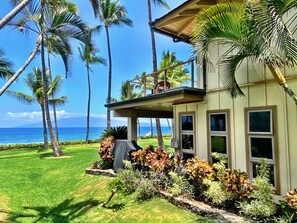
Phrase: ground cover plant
[36,187]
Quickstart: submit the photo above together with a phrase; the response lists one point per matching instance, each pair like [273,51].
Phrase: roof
[179,22]
[157,105]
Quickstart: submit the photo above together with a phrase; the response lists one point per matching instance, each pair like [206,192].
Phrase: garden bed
[192,205]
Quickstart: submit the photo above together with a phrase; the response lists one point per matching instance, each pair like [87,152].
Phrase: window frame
[187,132]
[225,134]
[271,134]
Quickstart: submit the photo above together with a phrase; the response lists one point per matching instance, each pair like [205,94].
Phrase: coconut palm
[34,82]
[5,67]
[6,19]
[176,76]
[63,23]
[154,55]
[89,57]
[255,30]
[51,21]
[111,13]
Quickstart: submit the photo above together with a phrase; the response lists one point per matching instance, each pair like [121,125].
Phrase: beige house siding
[260,91]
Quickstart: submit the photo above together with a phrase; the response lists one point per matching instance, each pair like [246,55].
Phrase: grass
[35,187]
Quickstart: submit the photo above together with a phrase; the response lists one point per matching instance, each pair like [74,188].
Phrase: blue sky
[131,53]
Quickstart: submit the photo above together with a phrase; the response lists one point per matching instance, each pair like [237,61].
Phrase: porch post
[132,126]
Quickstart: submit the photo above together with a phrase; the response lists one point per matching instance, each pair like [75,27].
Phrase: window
[187,135]
[261,141]
[218,134]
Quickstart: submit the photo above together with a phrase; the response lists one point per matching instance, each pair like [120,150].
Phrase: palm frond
[58,101]
[21,97]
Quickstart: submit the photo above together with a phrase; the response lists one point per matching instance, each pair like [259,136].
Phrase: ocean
[35,135]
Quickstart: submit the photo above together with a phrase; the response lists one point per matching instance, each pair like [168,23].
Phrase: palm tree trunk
[152,129]
[56,149]
[109,75]
[89,107]
[169,127]
[53,96]
[158,124]
[45,139]
[278,76]
[22,68]
[13,13]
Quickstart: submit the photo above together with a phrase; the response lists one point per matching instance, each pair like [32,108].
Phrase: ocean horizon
[35,134]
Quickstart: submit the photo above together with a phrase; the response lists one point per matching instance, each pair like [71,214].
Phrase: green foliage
[153,159]
[105,152]
[216,192]
[198,171]
[118,132]
[145,190]
[262,205]
[40,145]
[179,185]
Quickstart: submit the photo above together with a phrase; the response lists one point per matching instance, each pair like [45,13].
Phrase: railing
[164,84]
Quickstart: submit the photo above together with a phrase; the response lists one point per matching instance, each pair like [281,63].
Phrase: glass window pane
[219,144]
[261,147]
[187,122]
[255,167]
[187,142]
[259,121]
[187,156]
[218,122]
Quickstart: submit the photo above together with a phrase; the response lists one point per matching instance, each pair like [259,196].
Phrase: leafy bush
[198,171]
[291,198]
[160,180]
[216,191]
[105,152]
[145,190]
[119,132]
[40,145]
[155,160]
[262,205]
[179,185]
[237,183]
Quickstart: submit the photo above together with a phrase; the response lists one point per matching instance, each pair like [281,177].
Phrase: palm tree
[154,54]
[6,19]
[5,67]
[62,23]
[111,14]
[175,76]
[261,34]
[34,82]
[49,21]
[88,55]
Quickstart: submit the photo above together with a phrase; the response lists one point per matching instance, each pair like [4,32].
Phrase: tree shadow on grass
[62,213]
[115,207]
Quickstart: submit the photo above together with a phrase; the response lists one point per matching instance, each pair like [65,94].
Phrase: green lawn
[35,187]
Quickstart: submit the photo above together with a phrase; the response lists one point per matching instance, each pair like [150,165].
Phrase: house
[263,123]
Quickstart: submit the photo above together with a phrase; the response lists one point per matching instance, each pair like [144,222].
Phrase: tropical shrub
[237,183]
[291,198]
[262,205]
[160,180]
[125,182]
[105,152]
[198,171]
[179,185]
[145,190]
[216,192]
[118,132]
[153,159]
